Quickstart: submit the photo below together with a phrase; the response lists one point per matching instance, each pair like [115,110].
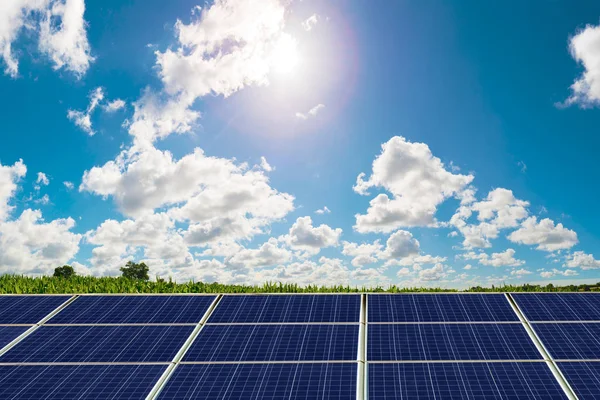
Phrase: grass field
[17,284]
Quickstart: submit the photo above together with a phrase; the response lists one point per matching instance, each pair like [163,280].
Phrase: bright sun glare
[285,56]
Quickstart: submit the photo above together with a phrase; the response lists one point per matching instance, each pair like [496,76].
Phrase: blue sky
[432,144]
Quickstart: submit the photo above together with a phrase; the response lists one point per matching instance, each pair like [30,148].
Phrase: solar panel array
[300,347]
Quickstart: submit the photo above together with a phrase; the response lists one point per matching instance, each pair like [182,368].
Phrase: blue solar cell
[27,309]
[287,308]
[439,308]
[275,343]
[449,342]
[570,341]
[583,377]
[9,333]
[99,344]
[262,382]
[428,381]
[78,382]
[559,306]
[134,309]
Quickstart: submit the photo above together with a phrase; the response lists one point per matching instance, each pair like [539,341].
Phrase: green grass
[17,284]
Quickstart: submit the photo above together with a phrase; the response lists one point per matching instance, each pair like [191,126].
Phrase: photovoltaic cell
[59,382]
[287,308]
[570,341]
[262,382]
[559,306]
[134,309]
[450,342]
[275,343]
[439,308]
[99,344]
[583,377]
[9,333]
[428,381]
[27,309]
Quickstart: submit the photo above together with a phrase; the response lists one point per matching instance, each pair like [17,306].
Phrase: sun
[285,57]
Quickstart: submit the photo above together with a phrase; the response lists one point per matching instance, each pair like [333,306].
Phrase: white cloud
[401,244]
[435,273]
[544,234]
[114,105]
[500,210]
[554,272]
[9,177]
[468,267]
[522,166]
[303,236]
[310,22]
[585,49]
[502,259]
[69,185]
[44,200]
[42,179]
[324,272]
[233,43]
[311,113]
[520,272]
[364,253]
[265,165]
[28,245]
[580,259]
[60,26]
[83,118]
[418,181]
[323,210]
[268,254]
[66,44]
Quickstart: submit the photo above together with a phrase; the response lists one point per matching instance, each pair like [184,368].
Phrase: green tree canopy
[133,270]
[66,271]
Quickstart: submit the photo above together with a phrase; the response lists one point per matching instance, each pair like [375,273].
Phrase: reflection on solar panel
[450,342]
[134,309]
[275,343]
[584,378]
[27,309]
[262,382]
[78,382]
[9,333]
[527,380]
[439,307]
[570,341]
[559,306]
[99,344]
[287,308]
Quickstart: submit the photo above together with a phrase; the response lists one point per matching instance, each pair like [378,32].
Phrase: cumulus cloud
[83,119]
[501,259]
[323,210]
[520,272]
[114,105]
[554,272]
[580,259]
[42,179]
[268,254]
[418,182]
[544,234]
[364,253]
[401,244]
[499,210]
[585,49]
[69,185]
[9,177]
[60,27]
[311,113]
[304,236]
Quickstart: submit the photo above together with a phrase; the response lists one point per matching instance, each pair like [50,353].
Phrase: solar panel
[27,309]
[450,342]
[570,341]
[583,377]
[78,382]
[559,306]
[439,308]
[99,344]
[134,309]
[275,343]
[262,382]
[9,333]
[287,308]
[428,381]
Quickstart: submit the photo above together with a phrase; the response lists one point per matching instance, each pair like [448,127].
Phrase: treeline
[135,279]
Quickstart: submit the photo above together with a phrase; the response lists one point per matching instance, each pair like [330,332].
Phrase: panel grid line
[550,362]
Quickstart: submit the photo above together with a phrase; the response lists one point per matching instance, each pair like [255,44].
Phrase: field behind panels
[300,347]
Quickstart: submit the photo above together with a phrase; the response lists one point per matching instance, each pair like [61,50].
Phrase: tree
[66,271]
[133,270]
